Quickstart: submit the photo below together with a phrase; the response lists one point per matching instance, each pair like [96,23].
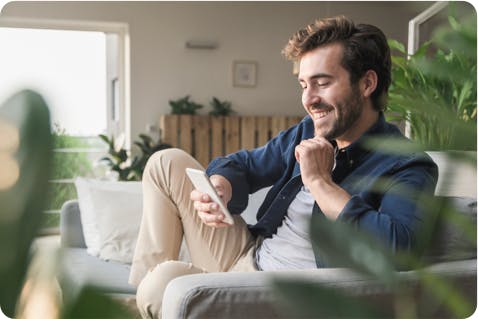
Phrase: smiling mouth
[321,114]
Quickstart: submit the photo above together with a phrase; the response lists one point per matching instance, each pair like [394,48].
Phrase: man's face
[328,97]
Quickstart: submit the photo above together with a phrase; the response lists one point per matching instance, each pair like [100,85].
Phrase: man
[319,166]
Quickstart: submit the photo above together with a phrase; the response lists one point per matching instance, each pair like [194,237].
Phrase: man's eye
[323,83]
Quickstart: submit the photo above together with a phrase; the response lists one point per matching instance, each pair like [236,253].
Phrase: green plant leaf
[435,90]
[106,140]
[147,140]
[24,118]
[144,148]
[394,44]
[308,300]
[107,160]
[184,106]
[397,146]
[92,304]
[441,291]
[220,108]
[422,50]
[340,244]
[117,161]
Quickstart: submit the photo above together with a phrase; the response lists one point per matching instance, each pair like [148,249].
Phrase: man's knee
[167,155]
[162,162]
[167,158]
[149,295]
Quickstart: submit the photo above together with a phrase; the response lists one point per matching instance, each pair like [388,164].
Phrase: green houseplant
[184,106]
[434,90]
[118,159]
[220,108]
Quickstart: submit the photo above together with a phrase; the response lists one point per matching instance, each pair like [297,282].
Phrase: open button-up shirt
[387,212]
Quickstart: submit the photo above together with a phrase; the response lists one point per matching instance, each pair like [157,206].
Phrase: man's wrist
[319,183]
[223,185]
[330,197]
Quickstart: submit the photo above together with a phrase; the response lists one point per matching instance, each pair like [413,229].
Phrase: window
[80,75]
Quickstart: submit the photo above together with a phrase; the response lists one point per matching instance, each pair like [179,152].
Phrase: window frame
[118,78]
[120,73]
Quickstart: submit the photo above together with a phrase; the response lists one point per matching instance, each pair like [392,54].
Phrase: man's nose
[310,99]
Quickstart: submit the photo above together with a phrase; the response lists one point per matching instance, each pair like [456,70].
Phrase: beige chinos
[168,215]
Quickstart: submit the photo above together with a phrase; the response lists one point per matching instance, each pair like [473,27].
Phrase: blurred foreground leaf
[92,304]
[308,300]
[340,244]
[25,147]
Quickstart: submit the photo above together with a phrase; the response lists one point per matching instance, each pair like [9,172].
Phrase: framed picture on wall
[244,73]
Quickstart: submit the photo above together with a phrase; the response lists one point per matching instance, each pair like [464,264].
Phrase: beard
[347,111]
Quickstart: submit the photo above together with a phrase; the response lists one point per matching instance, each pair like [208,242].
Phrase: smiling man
[319,166]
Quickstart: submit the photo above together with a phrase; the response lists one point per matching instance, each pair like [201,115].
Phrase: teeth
[320,115]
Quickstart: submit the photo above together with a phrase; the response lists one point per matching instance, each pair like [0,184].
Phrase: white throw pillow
[118,220]
[85,187]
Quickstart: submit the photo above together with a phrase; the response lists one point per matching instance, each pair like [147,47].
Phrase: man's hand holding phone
[210,198]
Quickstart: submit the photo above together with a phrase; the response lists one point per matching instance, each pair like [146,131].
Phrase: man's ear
[368,83]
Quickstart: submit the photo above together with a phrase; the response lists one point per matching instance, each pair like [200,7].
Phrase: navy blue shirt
[385,211]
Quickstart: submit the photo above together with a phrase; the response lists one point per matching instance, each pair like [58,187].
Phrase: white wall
[163,69]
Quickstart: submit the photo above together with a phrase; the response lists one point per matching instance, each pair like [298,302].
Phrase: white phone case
[202,183]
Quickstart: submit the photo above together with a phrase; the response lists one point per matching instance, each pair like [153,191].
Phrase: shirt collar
[355,151]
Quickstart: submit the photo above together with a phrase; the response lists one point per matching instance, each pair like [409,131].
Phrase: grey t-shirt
[290,247]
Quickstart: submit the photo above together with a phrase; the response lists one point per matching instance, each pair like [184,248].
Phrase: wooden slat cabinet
[206,137]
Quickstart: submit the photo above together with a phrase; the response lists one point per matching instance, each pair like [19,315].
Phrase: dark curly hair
[365,48]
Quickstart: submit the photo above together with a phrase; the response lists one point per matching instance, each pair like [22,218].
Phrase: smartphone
[202,183]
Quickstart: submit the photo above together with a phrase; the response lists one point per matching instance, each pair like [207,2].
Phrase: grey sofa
[249,295]
[80,267]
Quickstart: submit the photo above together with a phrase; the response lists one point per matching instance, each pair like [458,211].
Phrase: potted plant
[184,106]
[434,90]
[119,161]
[220,108]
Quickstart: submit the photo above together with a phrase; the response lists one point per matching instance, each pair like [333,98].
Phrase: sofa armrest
[71,230]
[249,295]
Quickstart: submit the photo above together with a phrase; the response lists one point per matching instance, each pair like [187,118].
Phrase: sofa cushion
[90,205]
[118,217]
[454,237]
[83,269]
